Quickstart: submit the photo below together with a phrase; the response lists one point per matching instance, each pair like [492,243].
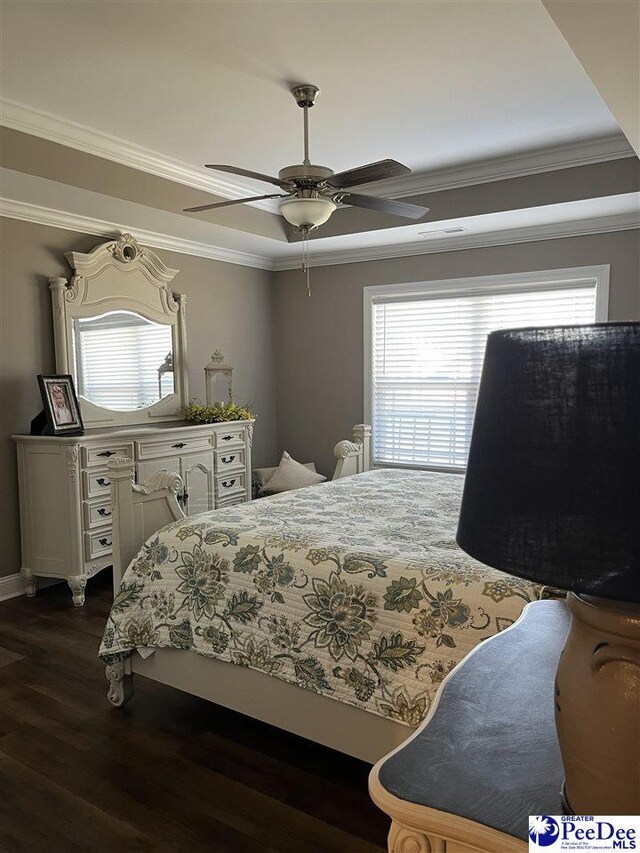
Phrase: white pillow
[290,475]
[263,474]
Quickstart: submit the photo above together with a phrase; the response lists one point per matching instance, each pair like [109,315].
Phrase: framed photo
[61,409]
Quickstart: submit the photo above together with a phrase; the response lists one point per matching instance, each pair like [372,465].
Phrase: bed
[334,611]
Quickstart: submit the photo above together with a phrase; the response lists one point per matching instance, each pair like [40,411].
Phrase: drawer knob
[107,453]
[228,483]
[102,481]
[104,512]
[104,541]
[227,437]
[228,459]
[179,444]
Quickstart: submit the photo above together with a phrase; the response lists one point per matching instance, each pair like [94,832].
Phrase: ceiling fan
[312,193]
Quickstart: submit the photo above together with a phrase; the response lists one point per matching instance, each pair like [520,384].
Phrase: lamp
[307,212]
[552,493]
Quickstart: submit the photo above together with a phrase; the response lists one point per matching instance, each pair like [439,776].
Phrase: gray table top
[490,751]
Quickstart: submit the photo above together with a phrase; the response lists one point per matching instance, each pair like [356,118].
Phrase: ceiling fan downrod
[305,97]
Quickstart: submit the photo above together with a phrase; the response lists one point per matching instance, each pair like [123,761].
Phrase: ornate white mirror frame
[120,275]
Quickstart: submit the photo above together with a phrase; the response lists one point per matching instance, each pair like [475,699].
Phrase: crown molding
[90,141]
[459,242]
[549,159]
[41,215]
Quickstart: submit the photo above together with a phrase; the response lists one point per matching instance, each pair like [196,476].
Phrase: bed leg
[120,684]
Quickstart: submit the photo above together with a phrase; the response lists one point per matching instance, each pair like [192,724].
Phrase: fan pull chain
[305,258]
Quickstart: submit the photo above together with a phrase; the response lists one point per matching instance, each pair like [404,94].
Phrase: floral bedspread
[354,589]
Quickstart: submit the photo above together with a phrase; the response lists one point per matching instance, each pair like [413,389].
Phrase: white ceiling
[432,84]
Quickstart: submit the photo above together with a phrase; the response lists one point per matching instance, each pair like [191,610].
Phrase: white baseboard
[11,586]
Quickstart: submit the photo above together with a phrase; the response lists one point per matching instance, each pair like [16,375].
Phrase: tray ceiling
[429,83]
[111,109]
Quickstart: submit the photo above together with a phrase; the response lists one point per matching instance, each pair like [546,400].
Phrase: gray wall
[313,346]
[319,340]
[228,306]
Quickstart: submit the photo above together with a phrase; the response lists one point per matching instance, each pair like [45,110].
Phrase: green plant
[198,413]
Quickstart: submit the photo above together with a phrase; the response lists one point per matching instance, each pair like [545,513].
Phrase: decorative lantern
[217,368]
[165,367]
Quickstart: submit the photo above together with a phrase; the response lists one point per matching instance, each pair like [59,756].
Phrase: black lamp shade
[552,490]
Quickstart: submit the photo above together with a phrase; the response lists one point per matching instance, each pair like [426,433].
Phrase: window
[424,346]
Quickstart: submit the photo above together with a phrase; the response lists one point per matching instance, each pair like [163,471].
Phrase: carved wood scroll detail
[73,290]
[57,287]
[126,248]
[72,462]
[160,480]
[346,448]
[405,840]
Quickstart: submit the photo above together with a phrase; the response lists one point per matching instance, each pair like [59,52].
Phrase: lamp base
[597,702]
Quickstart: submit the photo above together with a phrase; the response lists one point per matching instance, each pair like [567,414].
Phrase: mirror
[123,361]
[120,331]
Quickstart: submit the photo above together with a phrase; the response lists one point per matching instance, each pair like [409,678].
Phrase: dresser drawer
[98,455]
[232,459]
[173,447]
[231,500]
[96,514]
[233,483]
[98,544]
[95,483]
[233,436]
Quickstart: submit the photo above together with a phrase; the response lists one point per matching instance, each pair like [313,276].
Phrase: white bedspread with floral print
[355,589]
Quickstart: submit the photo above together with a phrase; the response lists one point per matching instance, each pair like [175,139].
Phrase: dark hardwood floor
[167,773]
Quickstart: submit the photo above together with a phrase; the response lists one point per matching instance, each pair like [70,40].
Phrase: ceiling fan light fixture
[307,212]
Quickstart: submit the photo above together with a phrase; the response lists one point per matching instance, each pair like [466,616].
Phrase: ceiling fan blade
[257,176]
[232,201]
[385,205]
[366,174]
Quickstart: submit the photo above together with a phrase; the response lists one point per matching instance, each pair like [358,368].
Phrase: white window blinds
[426,360]
[119,357]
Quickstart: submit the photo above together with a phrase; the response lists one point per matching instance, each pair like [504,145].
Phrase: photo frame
[61,413]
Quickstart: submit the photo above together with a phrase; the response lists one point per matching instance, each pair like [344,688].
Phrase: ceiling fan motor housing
[308,174]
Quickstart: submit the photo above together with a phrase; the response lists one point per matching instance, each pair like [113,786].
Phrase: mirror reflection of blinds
[118,356]
[427,355]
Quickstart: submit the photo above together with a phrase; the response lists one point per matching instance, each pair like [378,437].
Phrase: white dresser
[65,507]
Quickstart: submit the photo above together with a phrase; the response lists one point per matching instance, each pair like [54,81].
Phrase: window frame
[469,286]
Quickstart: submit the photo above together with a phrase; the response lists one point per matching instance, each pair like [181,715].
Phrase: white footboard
[353,457]
[138,511]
